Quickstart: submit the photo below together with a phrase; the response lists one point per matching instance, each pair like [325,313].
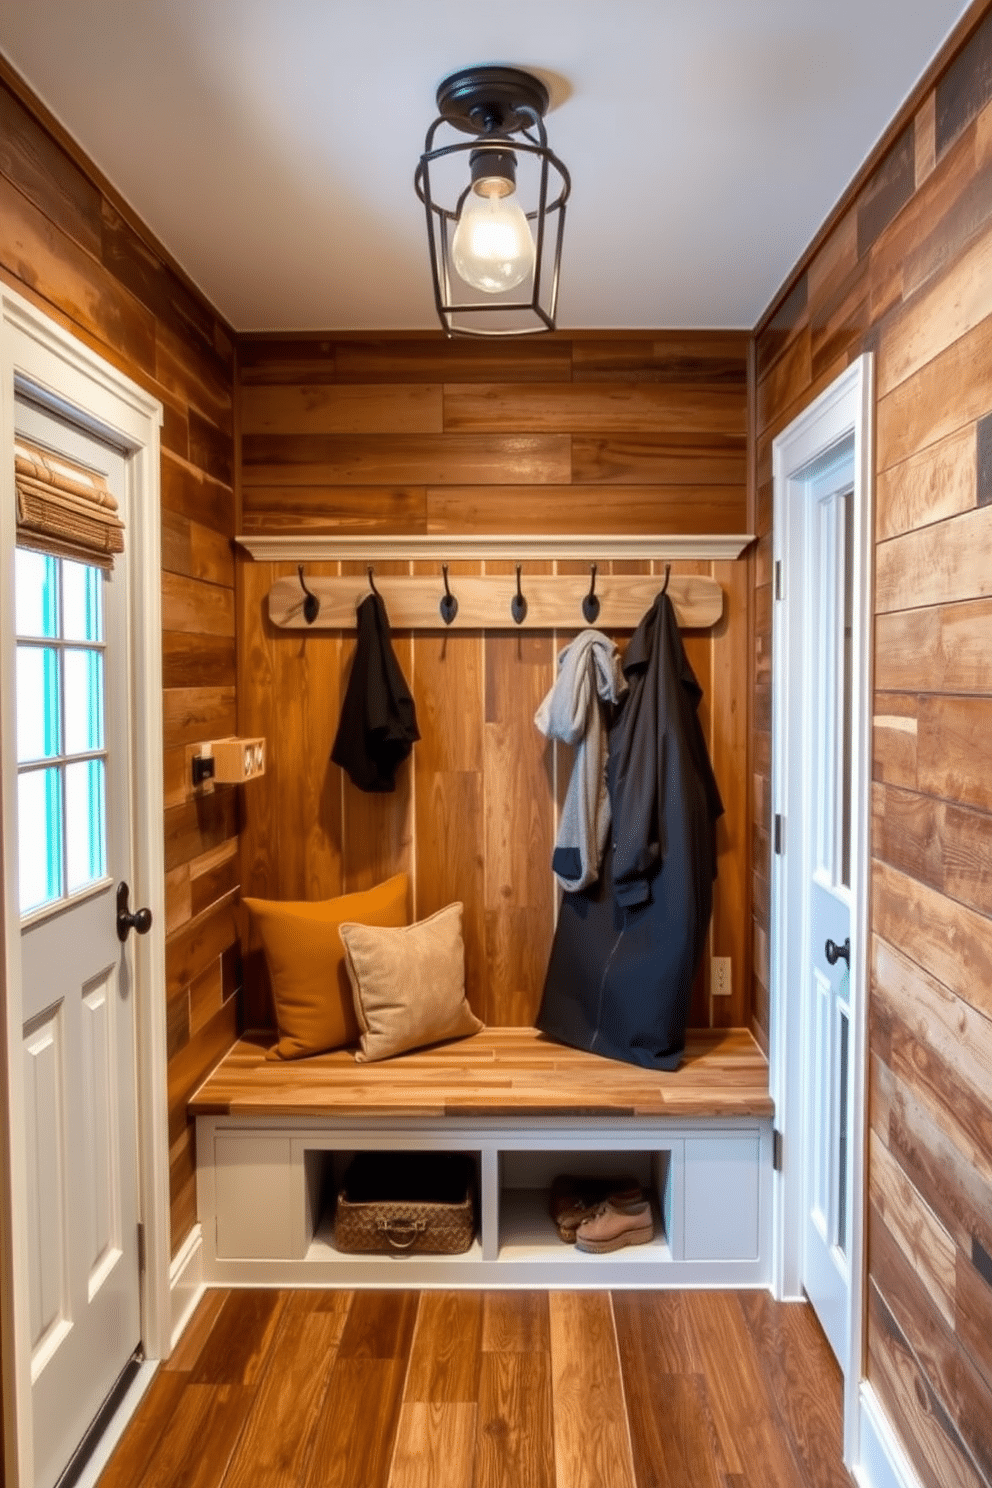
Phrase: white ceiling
[271,144]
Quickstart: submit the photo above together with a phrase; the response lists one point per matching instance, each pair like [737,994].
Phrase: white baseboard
[882,1462]
[186,1285]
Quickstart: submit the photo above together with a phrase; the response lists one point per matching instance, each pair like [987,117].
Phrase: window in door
[61,734]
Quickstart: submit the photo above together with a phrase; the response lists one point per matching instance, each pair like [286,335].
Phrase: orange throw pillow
[306,960]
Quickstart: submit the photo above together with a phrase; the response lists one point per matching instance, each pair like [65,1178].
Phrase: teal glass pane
[37,703]
[39,831]
[82,601]
[83,673]
[36,593]
[85,824]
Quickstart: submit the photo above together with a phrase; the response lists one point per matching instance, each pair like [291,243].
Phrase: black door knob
[835,953]
[141,920]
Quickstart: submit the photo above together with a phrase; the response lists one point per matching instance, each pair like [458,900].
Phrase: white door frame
[39,356]
[845,408]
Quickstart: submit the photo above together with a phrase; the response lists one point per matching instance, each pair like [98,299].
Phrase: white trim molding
[881,1463]
[303,547]
[844,410]
[186,1285]
[45,362]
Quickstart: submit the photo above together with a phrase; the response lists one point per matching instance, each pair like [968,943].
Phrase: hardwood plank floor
[394,1389]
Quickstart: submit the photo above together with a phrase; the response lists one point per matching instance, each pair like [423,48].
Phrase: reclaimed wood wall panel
[68,245]
[612,434]
[905,271]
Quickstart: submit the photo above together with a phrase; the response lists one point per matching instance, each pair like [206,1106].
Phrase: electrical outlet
[720,976]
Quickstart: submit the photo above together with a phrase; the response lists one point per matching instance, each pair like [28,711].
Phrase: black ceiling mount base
[492,100]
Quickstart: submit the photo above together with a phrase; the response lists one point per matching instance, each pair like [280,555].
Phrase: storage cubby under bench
[273,1140]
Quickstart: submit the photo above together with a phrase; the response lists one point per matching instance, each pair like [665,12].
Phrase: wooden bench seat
[500,1073]
[274,1140]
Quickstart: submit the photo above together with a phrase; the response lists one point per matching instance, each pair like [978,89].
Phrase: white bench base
[262,1182]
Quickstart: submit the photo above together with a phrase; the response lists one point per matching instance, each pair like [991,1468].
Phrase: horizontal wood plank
[334,508]
[197,660]
[657,460]
[953,390]
[942,564]
[433,359]
[189,604]
[957,1192]
[319,408]
[935,1447]
[943,649]
[192,494]
[647,509]
[33,162]
[410,459]
[926,1245]
[714,359]
[196,551]
[65,275]
[581,408]
[939,482]
[946,1024]
[953,305]
[192,714]
[935,842]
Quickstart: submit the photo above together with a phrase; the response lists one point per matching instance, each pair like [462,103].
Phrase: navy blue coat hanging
[378,724]
[627,948]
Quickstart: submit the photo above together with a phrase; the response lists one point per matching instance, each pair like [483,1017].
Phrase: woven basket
[406,1203]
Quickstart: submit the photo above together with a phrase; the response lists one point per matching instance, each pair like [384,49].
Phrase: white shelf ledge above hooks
[301,547]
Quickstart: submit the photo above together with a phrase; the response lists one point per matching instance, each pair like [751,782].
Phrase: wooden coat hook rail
[516,601]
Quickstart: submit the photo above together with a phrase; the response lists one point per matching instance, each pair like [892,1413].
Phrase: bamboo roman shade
[64,508]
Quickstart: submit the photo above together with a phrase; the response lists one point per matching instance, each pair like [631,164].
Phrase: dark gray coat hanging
[627,948]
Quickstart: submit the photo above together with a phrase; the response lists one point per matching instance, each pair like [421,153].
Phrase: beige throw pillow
[409,984]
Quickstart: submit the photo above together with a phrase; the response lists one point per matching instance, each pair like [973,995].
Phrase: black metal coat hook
[518,604]
[668,575]
[449,604]
[311,604]
[590,605]
[372,582]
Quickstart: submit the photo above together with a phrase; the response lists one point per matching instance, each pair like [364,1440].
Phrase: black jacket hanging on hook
[378,725]
[626,949]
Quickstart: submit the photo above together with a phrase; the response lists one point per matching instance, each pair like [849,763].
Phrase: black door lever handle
[835,953]
[141,920]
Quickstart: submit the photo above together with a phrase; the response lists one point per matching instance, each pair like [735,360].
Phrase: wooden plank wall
[70,246]
[906,272]
[624,433]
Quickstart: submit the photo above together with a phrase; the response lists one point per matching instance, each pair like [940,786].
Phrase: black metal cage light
[494,222]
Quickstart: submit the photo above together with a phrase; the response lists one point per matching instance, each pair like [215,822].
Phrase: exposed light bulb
[492,248]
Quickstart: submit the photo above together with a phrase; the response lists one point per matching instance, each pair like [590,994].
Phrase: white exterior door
[827,755]
[77,984]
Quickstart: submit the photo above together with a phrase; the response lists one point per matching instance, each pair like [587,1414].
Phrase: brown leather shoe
[612,1228]
[574,1199]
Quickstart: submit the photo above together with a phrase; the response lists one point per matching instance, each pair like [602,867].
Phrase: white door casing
[43,361]
[800,454]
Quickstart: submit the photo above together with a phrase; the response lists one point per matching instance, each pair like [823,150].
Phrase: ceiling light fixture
[496,252]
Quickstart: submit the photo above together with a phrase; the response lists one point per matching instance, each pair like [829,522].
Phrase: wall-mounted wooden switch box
[229,761]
